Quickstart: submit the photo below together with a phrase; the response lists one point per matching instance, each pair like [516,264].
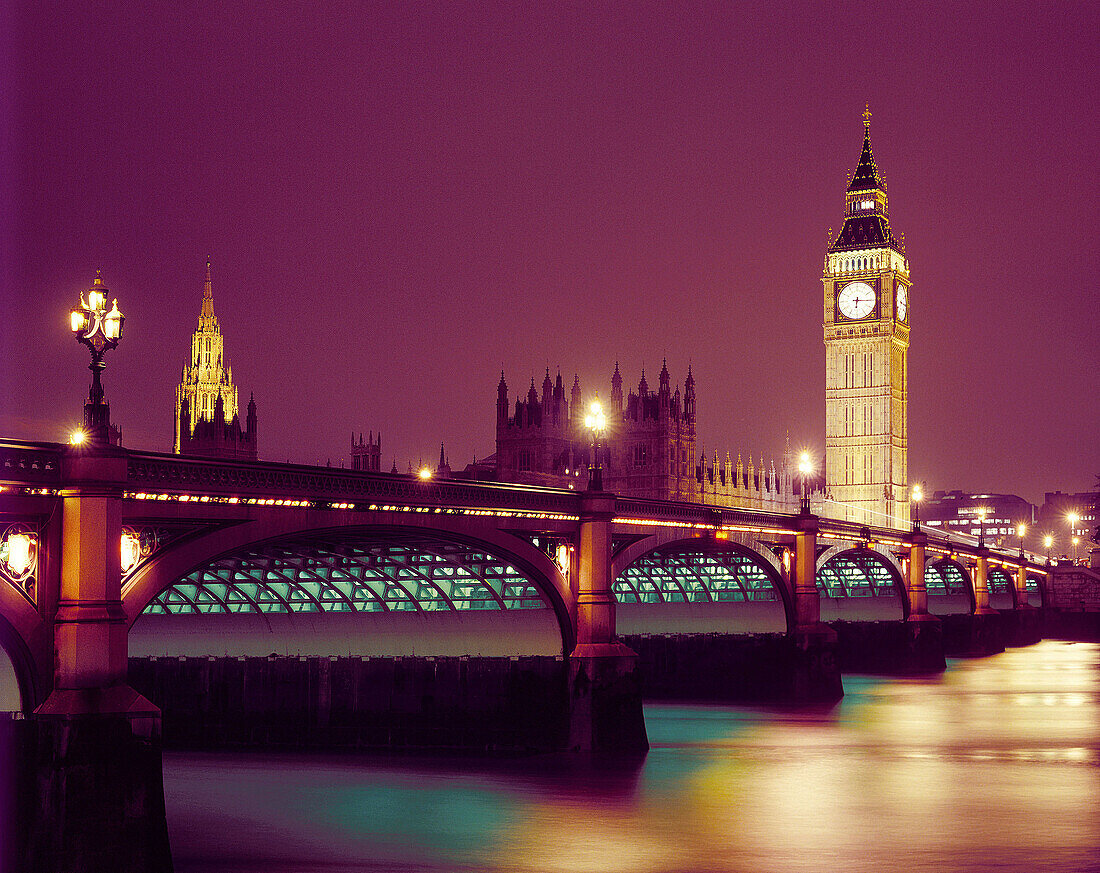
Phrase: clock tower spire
[866,325]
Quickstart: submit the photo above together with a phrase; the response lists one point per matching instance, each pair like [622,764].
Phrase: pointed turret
[643,385]
[866,224]
[689,396]
[207,310]
[502,401]
[575,401]
[866,176]
[617,389]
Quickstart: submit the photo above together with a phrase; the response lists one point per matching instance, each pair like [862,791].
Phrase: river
[992,766]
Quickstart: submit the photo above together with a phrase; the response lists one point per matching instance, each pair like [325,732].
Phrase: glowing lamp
[595,421]
[100,331]
[77,437]
[20,554]
[112,323]
[78,320]
[425,473]
[131,551]
[1021,529]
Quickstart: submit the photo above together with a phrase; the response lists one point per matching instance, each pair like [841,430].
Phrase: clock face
[903,303]
[856,300]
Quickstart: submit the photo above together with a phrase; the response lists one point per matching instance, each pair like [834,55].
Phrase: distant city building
[866,282]
[207,422]
[961,512]
[648,450]
[1054,519]
[367,456]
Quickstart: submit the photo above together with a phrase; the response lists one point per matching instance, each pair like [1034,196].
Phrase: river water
[993,766]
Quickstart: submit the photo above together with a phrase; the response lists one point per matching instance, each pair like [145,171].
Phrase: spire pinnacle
[207,294]
[866,176]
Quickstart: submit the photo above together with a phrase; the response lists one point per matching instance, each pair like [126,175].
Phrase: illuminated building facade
[649,450]
[1054,518]
[207,421]
[866,326]
[961,512]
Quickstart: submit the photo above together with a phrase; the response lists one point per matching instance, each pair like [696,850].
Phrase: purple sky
[400,199]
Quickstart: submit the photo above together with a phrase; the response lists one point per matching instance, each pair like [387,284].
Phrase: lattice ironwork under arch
[998,581]
[858,573]
[945,577]
[697,571]
[352,572]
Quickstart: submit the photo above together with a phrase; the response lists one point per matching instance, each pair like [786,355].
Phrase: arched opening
[1000,584]
[948,587]
[700,586]
[859,585]
[1036,590]
[10,698]
[355,592]
[17,688]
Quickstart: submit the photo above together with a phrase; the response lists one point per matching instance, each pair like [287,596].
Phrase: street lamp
[1048,542]
[1073,518]
[595,421]
[1021,529]
[805,468]
[917,496]
[100,331]
[981,526]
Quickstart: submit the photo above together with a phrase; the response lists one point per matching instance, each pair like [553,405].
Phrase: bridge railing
[30,464]
[173,474]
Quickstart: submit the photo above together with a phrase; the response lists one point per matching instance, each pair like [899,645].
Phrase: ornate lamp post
[596,422]
[1048,541]
[805,468]
[1073,518]
[99,330]
[981,526]
[1021,529]
[917,496]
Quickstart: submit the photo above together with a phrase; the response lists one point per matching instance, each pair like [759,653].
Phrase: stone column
[100,800]
[605,689]
[816,672]
[1026,622]
[1021,586]
[807,604]
[987,632]
[981,583]
[918,592]
[923,633]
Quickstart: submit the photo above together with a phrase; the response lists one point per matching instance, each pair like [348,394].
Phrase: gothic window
[523,459]
[640,456]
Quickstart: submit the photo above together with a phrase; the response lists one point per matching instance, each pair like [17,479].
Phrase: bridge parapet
[173,474]
[30,463]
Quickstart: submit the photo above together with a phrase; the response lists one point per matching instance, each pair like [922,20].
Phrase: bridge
[262,602]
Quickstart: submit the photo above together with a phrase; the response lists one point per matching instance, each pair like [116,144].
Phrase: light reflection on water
[991,767]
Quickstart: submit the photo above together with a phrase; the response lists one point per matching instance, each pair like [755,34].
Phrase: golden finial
[98,278]
[867,119]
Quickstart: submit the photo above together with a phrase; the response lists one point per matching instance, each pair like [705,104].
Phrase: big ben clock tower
[866,283]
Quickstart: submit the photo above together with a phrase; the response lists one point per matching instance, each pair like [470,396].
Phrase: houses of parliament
[650,448]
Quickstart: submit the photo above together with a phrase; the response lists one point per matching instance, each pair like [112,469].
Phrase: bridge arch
[864,583]
[1037,589]
[23,695]
[1002,588]
[669,584]
[950,587]
[341,582]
